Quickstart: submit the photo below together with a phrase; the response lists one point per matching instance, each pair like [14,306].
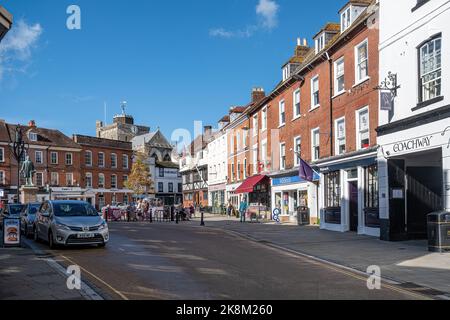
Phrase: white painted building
[414,132]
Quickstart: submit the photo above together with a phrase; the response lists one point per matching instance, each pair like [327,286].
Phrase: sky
[174,62]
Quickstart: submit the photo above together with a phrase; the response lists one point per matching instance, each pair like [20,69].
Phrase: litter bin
[303,216]
[439,231]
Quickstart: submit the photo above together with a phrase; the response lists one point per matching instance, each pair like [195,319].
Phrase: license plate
[85,235]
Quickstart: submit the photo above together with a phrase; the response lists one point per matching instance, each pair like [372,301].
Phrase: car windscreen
[32,209]
[15,210]
[74,210]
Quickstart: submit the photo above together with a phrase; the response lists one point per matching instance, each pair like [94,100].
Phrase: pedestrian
[243,209]
[229,208]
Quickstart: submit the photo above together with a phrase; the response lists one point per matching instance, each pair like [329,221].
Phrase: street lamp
[18,150]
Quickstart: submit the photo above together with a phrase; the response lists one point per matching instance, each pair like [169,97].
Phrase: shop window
[333,190]
[371,200]
[430,69]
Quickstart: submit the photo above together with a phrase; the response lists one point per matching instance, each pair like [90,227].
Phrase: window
[346,19]
[245,168]
[255,125]
[264,119]
[339,79]
[101,159]
[39,179]
[238,141]
[38,157]
[170,187]
[69,160]
[320,42]
[125,179]
[315,101]
[282,113]
[363,133]
[160,187]
[332,190]
[54,177]
[101,180]
[282,156]
[180,188]
[32,136]
[88,180]
[239,171]
[430,69]
[69,179]
[264,154]
[371,187]
[244,139]
[54,157]
[113,160]
[233,173]
[286,72]
[161,172]
[113,181]
[2,154]
[315,143]
[125,199]
[255,159]
[362,61]
[297,150]
[2,177]
[101,201]
[296,99]
[88,158]
[340,136]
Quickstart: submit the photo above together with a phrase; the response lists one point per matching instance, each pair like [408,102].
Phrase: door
[424,196]
[353,205]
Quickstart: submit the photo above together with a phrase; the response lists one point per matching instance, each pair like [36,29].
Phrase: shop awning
[249,185]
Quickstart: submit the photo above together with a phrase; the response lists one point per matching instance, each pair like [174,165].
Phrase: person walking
[243,209]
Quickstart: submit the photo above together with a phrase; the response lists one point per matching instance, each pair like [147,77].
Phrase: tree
[140,179]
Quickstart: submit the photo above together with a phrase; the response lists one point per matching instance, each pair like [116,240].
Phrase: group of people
[241,213]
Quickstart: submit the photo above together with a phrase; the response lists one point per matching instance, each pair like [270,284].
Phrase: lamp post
[18,150]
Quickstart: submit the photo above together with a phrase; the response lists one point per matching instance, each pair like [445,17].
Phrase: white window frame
[245,168]
[125,161]
[346,19]
[239,170]
[264,119]
[313,154]
[255,159]
[88,174]
[313,105]
[101,176]
[244,139]
[436,70]
[98,160]
[32,136]
[42,179]
[2,177]
[336,76]
[41,157]
[359,80]
[114,155]
[282,154]
[337,139]
[90,155]
[295,103]
[320,42]
[69,174]
[238,141]
[358,130]
[53,175]
[51,157]
[69,163]
[281,111]
[255,125]
[2,154]
[264,153]
[296,156]
[116,181]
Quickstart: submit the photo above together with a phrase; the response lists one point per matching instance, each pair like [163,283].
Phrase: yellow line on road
[98,279]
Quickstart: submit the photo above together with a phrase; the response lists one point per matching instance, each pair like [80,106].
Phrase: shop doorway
[353,205]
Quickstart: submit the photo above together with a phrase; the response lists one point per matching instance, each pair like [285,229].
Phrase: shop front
[291,192]
[414,174]
[256,190]
[217,198]
[348,193]
[232,196]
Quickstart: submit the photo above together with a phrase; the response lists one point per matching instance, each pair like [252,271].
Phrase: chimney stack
[302,49]
[32,124]
[258,94]
[207,131]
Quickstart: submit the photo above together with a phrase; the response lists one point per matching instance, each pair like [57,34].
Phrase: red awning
[248,185]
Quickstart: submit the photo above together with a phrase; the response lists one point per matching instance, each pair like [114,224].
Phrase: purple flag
[306,172]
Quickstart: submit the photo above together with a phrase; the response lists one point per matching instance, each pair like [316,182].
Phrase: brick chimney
[207,131]
[32,124]
[258,94]
[302,49]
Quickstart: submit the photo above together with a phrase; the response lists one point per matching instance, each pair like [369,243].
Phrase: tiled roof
[101,142]
[329,27]
[238,109]
[4,136]
[225,119]
[357,2]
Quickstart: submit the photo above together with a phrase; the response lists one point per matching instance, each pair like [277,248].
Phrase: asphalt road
[167,261]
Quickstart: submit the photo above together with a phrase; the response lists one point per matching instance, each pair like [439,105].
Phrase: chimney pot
[299,41]
[305,42]
[32,123]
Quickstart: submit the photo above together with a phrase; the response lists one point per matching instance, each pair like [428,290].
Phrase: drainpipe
[330,64]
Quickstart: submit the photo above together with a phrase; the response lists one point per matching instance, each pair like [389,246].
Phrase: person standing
[243,209]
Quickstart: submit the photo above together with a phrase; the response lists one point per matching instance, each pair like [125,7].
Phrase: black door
[424,196]
[353,205]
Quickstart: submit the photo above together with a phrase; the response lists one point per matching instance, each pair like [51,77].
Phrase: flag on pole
[306,172]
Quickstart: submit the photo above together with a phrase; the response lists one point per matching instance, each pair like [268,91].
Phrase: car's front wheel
[35,234]
[51,242]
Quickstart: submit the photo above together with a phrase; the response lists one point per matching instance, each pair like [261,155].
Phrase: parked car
[68,223]
[27,217]
[10,211]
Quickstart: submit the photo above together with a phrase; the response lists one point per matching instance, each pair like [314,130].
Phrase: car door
[40,220]
[23,218]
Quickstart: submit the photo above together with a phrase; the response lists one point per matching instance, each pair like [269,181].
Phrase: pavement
[27,276]
[408,263]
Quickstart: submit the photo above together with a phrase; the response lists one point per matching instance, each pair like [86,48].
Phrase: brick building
[105,166]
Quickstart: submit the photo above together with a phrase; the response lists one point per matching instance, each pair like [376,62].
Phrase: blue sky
[172,61]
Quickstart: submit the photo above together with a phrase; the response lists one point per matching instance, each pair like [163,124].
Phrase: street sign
[11,232]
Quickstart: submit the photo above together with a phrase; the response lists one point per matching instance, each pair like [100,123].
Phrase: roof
[167,164]
[101,142]
[225,119]
[238,109]
[4,136]
[357,2]
[45,137]
[329,27]
[153,139]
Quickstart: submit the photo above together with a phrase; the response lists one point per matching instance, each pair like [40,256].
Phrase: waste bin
[303,216]
[439,231]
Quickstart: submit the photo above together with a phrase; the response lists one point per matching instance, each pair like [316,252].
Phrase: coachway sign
[413,144]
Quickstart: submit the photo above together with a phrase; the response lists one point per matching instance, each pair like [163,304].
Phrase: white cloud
[267,12]
[16,47]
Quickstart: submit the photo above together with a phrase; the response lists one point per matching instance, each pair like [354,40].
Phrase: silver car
[27,218]
[69,223]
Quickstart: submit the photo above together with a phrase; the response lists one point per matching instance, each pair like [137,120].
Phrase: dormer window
[320,42]
[32,136]
[346,19]
[286,72]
